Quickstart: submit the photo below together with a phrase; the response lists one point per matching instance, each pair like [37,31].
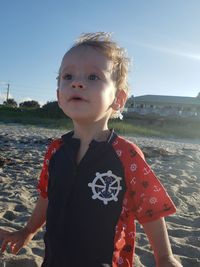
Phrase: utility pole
[8,88]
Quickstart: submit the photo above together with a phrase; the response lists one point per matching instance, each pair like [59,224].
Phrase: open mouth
[76,98]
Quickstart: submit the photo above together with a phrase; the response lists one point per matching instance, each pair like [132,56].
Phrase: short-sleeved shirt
[93,205]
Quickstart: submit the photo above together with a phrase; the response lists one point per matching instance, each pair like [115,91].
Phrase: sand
[176,163]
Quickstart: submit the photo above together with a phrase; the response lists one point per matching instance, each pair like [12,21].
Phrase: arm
[158,237]
[20,238]
[38,217]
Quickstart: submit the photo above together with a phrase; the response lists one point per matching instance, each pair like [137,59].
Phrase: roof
[168,99]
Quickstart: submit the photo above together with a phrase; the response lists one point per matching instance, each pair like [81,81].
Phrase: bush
[29,104]
[52,110]
[10,103]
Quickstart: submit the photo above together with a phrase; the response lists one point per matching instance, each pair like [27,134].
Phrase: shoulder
[53,146]
[123,144]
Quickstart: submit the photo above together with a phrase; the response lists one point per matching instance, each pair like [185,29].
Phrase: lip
[76,97]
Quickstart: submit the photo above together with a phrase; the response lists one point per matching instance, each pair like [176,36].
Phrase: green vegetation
[52,117]
[47,117]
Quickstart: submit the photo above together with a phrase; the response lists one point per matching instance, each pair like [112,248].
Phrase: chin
[79,118]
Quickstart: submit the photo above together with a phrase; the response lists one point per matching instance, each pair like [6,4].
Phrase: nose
[77,84]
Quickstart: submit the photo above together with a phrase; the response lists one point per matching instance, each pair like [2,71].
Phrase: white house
[164,105]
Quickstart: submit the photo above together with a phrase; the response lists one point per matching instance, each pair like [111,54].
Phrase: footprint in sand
[20,208]
[9,215]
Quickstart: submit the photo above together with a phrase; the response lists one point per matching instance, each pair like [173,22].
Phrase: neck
[86,133]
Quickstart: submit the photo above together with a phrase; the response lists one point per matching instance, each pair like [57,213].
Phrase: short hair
[103,42]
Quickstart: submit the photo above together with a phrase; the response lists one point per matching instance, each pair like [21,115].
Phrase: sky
[162,39]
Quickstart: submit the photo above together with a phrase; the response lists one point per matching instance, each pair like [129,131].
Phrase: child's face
[86,91]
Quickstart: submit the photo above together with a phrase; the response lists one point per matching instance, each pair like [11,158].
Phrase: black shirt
[85,203]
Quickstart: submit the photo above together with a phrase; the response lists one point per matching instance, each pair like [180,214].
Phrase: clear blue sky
[162,39]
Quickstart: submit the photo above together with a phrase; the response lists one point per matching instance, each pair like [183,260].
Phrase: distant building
[164,105]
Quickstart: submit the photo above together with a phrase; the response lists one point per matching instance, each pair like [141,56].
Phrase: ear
[120,99]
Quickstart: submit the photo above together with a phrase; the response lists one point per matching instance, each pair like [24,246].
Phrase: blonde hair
[103,42]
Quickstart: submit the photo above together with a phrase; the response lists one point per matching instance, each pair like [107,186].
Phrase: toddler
[94,184]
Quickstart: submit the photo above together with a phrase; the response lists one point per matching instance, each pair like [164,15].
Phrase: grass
[136,126]
[130,127]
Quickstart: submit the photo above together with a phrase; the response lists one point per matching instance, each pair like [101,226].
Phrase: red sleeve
[151,199]
[44,175]
[145,195]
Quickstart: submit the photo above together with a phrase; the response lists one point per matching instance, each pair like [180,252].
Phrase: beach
[175,162]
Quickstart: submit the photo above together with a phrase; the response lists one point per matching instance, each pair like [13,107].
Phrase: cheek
[61,97]
[104,100]
[62,93]
[109,95]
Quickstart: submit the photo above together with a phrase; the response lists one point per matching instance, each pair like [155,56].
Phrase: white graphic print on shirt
[106,187]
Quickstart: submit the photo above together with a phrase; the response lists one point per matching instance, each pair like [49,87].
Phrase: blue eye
[67,77]
[93,77]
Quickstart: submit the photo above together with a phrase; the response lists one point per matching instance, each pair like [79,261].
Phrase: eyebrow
[97,69]
[70,67]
